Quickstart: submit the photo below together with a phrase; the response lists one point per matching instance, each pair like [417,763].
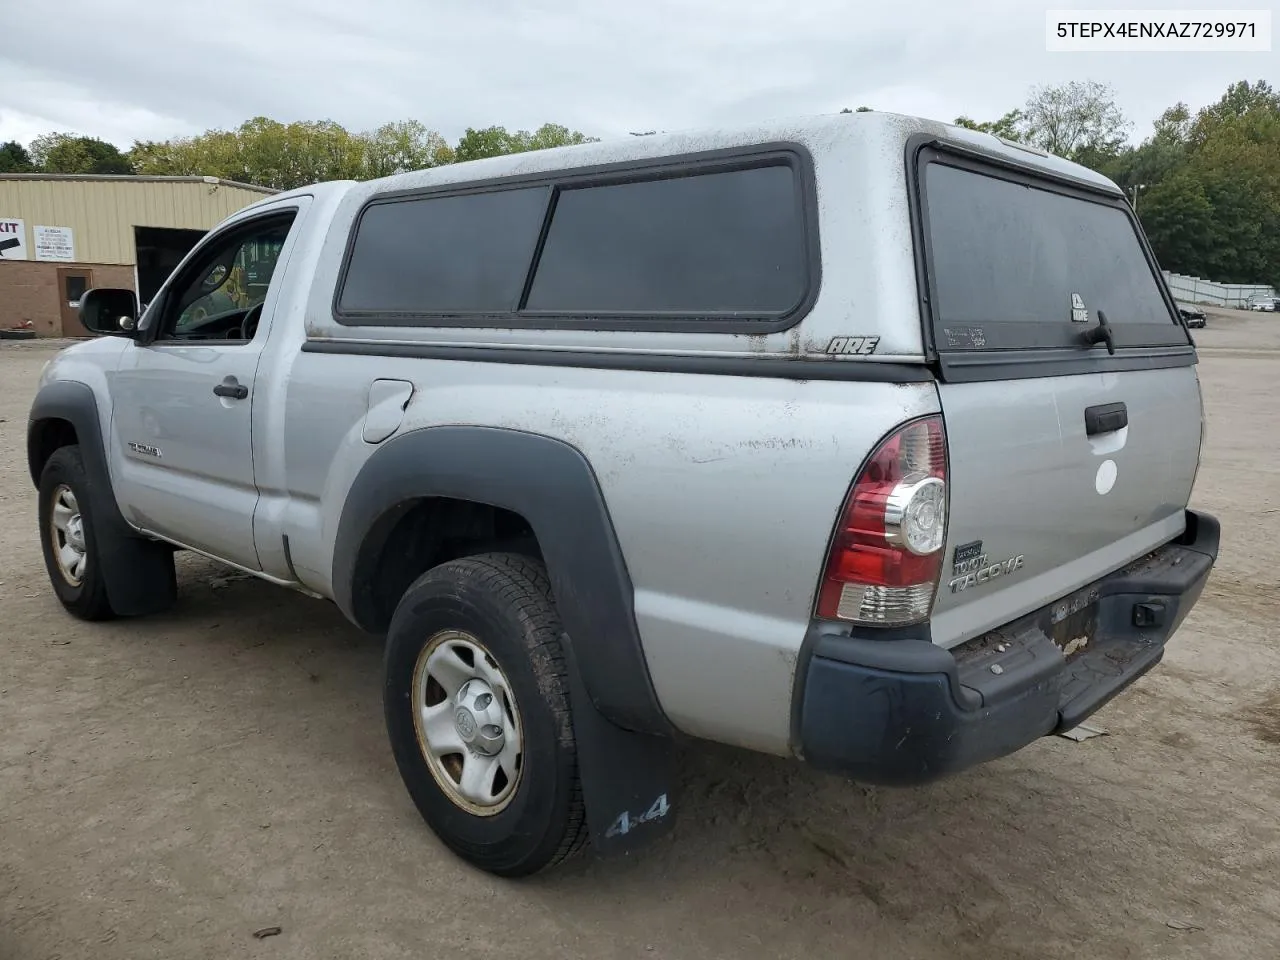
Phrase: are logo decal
[1078,312]
[853,346]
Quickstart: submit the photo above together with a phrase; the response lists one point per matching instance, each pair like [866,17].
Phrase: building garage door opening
[160,249]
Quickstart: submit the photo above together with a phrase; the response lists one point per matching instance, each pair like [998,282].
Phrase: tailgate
[1067,459]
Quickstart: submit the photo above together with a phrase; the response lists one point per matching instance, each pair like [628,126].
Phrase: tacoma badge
[979,570]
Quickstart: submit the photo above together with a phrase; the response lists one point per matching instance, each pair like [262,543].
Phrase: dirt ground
[170,786]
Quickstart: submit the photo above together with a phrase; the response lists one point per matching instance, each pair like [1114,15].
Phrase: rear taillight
[886,555]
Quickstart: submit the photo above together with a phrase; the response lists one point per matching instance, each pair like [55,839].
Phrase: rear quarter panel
[723,492]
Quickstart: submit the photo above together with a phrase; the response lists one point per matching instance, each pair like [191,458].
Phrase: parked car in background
[1263,303]
[1192,315]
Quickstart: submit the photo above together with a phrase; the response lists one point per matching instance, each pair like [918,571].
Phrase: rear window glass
[1004,252]
[716,243]
[466,253]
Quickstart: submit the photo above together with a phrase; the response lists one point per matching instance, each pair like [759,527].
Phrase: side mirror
[110,311]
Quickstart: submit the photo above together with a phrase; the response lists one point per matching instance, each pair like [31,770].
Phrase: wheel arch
[64,412]
[44,438]
[546,483]
[416,535]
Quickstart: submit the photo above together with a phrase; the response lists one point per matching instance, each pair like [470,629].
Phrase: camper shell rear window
[1017,262]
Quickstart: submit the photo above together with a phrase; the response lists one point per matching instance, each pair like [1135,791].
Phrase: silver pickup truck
[862,439]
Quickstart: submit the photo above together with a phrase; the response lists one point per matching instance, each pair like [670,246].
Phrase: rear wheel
[67,538]
[477,710]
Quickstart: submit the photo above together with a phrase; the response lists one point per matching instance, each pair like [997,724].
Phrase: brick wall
[29,291]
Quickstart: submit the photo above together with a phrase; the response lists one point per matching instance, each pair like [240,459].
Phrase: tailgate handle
[1105,418]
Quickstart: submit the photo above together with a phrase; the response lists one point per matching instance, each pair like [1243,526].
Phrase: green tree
[271,154]
[1207,183]
[1077,120]
[1006,126]
[401,146]
[1174,125]
[1252,108]
[69,153]
[552,135]
[289,155]
[296,154]
[1177,217]
[165,158]
[1244,242]
[498,141]
[14,158]
[1156,159]
[487,142]
[1212,207]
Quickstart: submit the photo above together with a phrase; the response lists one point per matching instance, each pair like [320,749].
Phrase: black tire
[87,598]
[505,602]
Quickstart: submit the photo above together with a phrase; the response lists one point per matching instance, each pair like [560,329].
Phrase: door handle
[232,389]
[1105,418]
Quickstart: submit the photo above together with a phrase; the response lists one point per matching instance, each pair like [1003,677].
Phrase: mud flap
[141,578]
[628,782]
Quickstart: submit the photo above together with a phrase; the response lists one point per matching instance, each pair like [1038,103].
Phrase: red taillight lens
[886,555]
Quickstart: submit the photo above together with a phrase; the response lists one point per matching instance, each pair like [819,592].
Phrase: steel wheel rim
[66,534]
[473,746]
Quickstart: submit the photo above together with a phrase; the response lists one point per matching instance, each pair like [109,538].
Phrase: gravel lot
[171,785]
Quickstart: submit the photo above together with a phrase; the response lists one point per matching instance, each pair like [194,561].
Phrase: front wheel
[476,696]
[67,538]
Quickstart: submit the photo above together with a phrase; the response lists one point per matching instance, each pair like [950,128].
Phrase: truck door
[181,435]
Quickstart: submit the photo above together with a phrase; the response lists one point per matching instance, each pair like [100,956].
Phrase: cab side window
[220,294]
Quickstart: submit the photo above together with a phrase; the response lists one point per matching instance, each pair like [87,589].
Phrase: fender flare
[551,485]
[624,741]
[139,572]
[75,403]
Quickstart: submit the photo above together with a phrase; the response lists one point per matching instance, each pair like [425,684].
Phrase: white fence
[1218,294]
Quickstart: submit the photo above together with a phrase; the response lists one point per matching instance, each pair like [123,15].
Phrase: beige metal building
[63,234]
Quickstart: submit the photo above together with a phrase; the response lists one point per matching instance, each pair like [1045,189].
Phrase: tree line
[1206,185]
[280,155]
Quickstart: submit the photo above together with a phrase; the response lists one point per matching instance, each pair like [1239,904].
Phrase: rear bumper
[906,711]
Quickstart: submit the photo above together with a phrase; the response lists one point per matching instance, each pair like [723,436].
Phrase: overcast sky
[153,69]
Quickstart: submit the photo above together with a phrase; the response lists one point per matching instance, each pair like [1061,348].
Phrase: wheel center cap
[465,723]
[478,718]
